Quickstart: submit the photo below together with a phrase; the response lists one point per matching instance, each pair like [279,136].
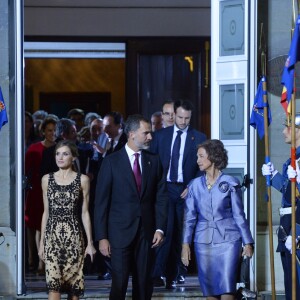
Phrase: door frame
[168,46]
[238,69]
[47,50]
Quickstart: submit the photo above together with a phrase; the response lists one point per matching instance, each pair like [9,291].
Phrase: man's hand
[97,147]
[157,239]
[184,193]
[104,247]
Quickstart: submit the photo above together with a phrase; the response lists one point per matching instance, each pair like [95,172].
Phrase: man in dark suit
[131,211]
[177,149]
[116,139]
[112,126]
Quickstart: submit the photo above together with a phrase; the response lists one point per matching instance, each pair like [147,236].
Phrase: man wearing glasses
[168,113]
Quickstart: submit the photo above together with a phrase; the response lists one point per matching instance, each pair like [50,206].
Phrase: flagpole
[293,164]
[267,159]
[293,196]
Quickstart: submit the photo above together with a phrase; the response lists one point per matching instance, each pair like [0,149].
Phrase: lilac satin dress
[216,220]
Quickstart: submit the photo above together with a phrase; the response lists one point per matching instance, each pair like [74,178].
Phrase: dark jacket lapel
[125,165]
[146,167]
[188,145]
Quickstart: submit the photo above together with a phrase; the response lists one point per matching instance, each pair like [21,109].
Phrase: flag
[257,115]
[3,114]
[289,68]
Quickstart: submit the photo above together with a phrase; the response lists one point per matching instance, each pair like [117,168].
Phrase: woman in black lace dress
[66,195]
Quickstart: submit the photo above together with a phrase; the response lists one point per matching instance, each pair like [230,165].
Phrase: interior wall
[76,75]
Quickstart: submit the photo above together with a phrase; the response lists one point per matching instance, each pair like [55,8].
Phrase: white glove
[288,243]
[268,169]
[298,170]
[291,172]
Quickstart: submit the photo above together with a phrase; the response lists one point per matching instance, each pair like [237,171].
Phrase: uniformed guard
[282,183]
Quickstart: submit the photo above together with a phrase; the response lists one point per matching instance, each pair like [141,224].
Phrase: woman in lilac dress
[215,221]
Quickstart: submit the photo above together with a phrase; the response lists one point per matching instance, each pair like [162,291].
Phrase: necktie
[111,148]
[175,157]
[137,172]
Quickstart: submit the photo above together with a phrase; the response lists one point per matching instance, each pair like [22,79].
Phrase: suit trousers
[286,260]
[137,258]
[169,253]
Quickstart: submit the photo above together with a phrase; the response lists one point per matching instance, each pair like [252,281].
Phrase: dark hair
[216,152]
[185,104]
[29,115]
[133,123]
[167,102]
[75,111]
[84,131]
[53,116]
[71,145]
[31,136]
[157,114]
[64,126]
[39,114]
[46,122]
[117,117]
[90,117]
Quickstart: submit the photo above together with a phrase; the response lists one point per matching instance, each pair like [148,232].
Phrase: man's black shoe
[158,282]
[180,279]
[106,276]
[171,285]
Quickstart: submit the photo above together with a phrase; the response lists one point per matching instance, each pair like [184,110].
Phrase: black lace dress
[64,242]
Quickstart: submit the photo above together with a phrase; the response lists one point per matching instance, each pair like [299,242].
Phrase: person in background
[38,117]
[34,200]
[84,135]
[214,220]
[97,138]
[90,117]
[131,211]
[281,182]
[156,121]
[168,113]
[29,133]
[65,194]
[113,128]
[77,115]
[176,147]
[53,116]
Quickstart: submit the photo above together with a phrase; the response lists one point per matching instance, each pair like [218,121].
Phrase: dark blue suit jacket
[162,142]
[118,206]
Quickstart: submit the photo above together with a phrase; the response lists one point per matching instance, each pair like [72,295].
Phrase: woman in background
[29,134]
[34,198]
[214,215]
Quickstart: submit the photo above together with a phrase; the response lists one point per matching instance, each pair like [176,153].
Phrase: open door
[168,69]
[232,82]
